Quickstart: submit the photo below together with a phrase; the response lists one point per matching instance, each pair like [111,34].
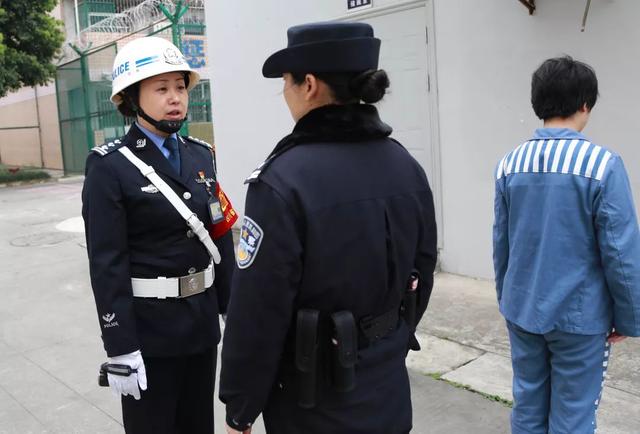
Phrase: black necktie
[171,144]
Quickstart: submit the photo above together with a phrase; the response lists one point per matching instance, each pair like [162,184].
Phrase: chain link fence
[83,86]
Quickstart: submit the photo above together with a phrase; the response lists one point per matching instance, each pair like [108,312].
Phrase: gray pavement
[50,347]
[466,341]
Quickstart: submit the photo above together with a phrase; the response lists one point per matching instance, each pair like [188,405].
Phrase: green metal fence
[93,11]
[73,131]
[88,118]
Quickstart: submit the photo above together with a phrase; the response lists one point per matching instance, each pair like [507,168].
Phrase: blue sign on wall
[194,52]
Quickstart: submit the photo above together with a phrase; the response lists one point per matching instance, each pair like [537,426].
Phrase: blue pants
[557,381]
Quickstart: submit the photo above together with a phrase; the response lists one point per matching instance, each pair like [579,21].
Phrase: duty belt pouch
[410,300]
[409,308]
[409,303]
[344,351]
[306,362]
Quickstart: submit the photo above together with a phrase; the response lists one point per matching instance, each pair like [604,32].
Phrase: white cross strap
[190,217]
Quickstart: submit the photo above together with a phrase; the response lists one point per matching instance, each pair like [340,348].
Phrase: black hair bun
[370,86]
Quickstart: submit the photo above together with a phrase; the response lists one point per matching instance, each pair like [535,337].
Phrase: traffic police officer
[338,220]
[151,206]
[566,256]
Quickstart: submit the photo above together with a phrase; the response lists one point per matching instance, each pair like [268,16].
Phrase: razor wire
[131,20]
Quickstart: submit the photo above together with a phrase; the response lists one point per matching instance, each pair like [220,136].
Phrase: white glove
[129,385]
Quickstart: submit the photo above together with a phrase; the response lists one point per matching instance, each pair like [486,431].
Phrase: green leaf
[30,41]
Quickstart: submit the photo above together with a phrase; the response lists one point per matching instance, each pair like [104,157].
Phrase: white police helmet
[143,58]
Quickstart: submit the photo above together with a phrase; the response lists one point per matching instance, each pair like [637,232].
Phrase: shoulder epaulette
[257,171]
[107,148]
[200,142]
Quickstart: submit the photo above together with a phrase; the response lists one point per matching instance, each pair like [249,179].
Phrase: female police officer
[151,204]
[337,220]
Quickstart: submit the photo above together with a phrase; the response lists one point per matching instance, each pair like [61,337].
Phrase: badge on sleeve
[250,239]
[230,215]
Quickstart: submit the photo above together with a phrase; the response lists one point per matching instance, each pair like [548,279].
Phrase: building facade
[460,73]
[54,126]
[29,131]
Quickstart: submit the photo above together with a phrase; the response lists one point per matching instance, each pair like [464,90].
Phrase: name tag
[215,210]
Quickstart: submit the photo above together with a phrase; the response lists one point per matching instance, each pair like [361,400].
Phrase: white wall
[485,54]
[249,113]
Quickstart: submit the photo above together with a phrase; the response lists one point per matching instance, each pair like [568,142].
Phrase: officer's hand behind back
[136,381]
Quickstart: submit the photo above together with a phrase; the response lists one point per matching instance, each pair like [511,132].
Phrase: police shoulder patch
[251,236]
[106,148]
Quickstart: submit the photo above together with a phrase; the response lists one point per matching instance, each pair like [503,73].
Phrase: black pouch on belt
[409,308]
[307,343]
[344,351]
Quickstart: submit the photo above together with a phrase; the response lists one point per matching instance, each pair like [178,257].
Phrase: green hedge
[24,174]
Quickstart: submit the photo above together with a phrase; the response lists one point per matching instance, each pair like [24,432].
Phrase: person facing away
[159,281]
[566,251]
[336,255]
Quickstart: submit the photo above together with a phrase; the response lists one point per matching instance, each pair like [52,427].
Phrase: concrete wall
[21,143]
[50,132]
[26,140]
[485,52]
[67,14]
[249,112]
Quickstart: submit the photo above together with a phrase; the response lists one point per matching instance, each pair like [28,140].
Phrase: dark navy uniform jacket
[336,219]
[132,230]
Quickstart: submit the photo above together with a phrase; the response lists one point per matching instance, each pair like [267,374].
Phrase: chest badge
[141,143]
[150,189]
[203,180]
[251,237]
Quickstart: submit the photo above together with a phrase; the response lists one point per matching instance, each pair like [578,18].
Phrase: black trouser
[178,399]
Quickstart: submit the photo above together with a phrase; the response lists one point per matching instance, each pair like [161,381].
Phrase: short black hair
[561,86]
[130,100]
[350,87]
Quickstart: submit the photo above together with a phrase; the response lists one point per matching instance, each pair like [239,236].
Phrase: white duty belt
[174,286]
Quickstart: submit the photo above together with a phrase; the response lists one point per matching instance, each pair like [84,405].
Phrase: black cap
[325,47]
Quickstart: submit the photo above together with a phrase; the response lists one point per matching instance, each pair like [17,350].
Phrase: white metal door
[404,56]
[411,108]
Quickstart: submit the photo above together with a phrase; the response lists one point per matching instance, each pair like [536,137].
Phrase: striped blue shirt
[575,156]
[566,238]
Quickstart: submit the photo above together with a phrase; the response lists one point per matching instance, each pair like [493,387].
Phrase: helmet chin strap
[164,125]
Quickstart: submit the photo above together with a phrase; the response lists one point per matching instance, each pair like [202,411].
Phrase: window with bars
[200,103]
